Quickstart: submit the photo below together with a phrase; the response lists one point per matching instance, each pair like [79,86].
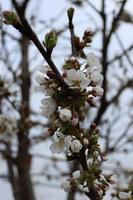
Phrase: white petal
[125,195]
[77,79]
[98,91]
[66,185]
[65,114]
[41,79]
[57,147]
[76,174]
[93,60]
[76,146]
[44,69]
[48,106]
[96,77]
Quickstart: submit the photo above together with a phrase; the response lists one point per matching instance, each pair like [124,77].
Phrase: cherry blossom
[65,114]
[66,185]
[76,79]
[48,106]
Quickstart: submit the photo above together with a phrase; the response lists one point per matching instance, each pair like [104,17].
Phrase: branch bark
[28,32]
[23,158]
[11,172]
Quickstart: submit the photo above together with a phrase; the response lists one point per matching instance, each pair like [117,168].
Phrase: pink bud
[75,121]
[64,75]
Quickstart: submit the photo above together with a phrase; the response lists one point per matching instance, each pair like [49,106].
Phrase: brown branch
[23,159]
[115,21]
[72,33]
[118,57]
[129,84]
[11,172]
[104,103]
[123,134]
[106,40]
[27,31]
[123,49]
[24,5]
[93,7]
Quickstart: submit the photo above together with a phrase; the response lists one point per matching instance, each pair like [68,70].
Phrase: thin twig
[115,21]
[27,30]
[72,34]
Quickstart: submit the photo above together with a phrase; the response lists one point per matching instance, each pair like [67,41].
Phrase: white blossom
[44,69]
[76,146]
[125,195]
[66,185]
[89,162]
[57,146]
[96,77]
[48,106]
[98,91]
[68,141]
[76,79]
[94,69]
[76,174]
[41,79]
[83,188]
[62,143]
[85,141]
[93,62]
[73,144]
[65,114]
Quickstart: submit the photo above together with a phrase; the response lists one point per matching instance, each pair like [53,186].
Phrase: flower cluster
[64,107]
[67,143]
[77,180]
[86,79]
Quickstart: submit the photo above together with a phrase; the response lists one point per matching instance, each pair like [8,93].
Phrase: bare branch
[115,21]
[27,30]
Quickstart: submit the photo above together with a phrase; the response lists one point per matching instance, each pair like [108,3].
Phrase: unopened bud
[93,126]
[75,121]
[85,141]
[87,36]
[50,40]
[96,130]
[64,75]
[91,102]
[51,74]
[10,17]
[88,32]
[70,13]
[72,59]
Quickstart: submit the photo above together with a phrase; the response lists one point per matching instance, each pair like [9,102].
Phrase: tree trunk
[23,157]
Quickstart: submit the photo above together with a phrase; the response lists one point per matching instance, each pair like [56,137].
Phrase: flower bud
[50,40]
[93,126]
[75,121]
[51,74]
[65,114]
[85,141]
[70,13]
[10,17]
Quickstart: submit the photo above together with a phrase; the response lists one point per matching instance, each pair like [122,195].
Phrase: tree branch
[27,31]
[72,33]
[118,57]
[115,21]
